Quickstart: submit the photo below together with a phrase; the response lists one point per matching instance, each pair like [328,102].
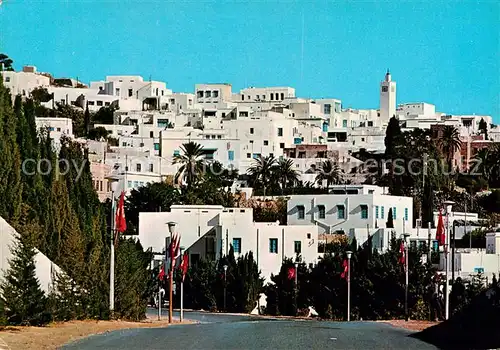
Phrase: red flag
[174,248]
[440,234]
[162,273]
[120,222]
[345,265]
[291,273]
[402,259]
[184,265]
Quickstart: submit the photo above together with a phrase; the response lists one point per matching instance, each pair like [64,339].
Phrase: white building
[208,230]
[22,83]
[57,128]
[45,269]
[355,210]
[273,94]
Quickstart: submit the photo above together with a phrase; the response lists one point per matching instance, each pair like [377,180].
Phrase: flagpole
[449,207]
[406,277]
[112,254]
[171,228]
[182,287]
[349,286]
[159,298]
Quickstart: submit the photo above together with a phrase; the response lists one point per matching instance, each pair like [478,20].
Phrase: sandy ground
[411,324]
[57,334]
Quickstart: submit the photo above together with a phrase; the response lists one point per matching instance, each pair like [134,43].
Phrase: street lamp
[114,188]
[405,236]
[225,273]
[449,206]
[171,229]
[349,253]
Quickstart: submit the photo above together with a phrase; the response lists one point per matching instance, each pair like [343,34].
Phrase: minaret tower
[387,97]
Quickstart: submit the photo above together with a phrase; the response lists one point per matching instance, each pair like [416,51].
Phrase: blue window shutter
[230,155]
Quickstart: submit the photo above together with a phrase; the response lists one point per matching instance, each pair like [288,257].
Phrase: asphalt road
[216,331]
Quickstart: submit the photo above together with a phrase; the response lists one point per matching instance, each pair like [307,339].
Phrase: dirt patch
[57,334]
[412,325]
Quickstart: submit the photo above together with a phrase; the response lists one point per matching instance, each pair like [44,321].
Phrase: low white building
[206,231]
[356,210]
[45,269]
[57,128]
[22,83]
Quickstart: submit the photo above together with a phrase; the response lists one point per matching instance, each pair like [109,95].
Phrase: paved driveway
[246,332]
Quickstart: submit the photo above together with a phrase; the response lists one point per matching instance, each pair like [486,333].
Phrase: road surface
[216,331]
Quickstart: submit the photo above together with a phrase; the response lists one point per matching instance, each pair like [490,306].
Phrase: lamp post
[225,290]
[171,229]
[349,253]
[449,206]
[405,236]
[114,187]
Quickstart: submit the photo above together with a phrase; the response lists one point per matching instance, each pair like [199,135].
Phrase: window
[297,247]
[376,212]
[282,96]
[136,184]
[406,214]
[280,131]
[117,92]
[91,103]
[382,212]
[249,155]
[385,88]
[129,184]
[208,94]
[215,93]
[151,134]
[282,145]
[59,129]
[340,212]
[141,183]
[99,103]
[219,137]
[263,97]
[157,146]
[124,144]
[251,130]
[393,212]
[237,245]
[327,108]
[107,103]
[7,79]
[130,92]
[266,142]
[322,212]
[177,152]
[199,94]
[230,155]
[364,211]
[308,236]
[344,123]
[151,168]
[273,245]
[301,212]
[138,167]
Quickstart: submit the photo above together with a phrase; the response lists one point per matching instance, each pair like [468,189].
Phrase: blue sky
[442,52]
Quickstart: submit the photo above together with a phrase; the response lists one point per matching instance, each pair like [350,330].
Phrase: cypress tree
[390,220]
[10,160]
[24,301]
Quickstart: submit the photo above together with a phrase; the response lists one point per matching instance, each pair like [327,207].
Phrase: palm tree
[192,163]
[262,169]
[450,143]
[329,171]
[286,173]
